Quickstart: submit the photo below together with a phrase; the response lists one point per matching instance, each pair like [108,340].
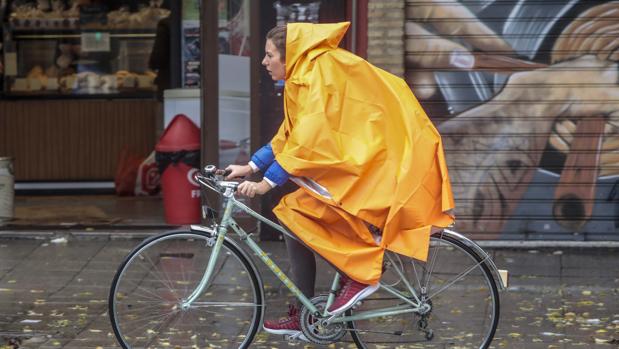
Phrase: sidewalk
[53,294]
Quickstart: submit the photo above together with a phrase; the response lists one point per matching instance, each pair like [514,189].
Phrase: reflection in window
[234,27]
[297,12]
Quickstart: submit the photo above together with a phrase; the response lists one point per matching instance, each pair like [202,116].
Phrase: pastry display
[108,83]
[62,67]
[147,80]
[67,82]
[147,17]
[42,15]
[37,80]
[128,80]
[91,82]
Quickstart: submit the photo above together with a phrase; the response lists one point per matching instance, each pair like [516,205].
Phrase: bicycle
[197,287]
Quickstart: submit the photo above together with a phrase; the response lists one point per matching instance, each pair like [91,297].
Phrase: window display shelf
[67,63]
[127,94]
[64,33]
[78,35]
[87,52]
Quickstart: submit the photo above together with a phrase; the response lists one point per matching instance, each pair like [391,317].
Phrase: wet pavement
[54,290]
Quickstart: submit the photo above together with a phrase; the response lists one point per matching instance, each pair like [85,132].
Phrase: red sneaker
[350,293]
[287,326]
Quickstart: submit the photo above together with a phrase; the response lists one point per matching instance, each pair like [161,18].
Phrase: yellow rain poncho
[363,150]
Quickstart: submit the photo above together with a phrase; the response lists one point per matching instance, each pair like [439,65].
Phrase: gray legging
[303,264]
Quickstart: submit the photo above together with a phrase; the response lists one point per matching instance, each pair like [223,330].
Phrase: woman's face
[273,61]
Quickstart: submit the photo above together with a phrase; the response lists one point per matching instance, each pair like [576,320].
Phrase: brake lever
[224,173]
[218,175]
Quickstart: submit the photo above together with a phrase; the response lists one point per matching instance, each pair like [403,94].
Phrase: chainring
[315,330]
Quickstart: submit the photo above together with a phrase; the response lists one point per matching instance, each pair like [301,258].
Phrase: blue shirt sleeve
[276,173]
[264,157]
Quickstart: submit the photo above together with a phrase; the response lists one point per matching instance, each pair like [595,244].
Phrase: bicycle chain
[315,330]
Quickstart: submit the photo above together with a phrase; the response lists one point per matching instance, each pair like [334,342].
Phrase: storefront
[88,85]
[80,77]
[78,87]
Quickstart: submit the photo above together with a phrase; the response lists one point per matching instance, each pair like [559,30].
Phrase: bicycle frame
[219,235]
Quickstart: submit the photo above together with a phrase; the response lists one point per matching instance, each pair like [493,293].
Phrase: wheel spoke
[163,277]
[460,308]
[431,269]
[148,291]
[222,304]
[456,279]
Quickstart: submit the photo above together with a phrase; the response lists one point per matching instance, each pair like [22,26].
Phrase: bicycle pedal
[357,305]
[295,338]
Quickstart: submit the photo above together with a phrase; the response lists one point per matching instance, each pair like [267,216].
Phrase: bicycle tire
[449,322]
[144,300]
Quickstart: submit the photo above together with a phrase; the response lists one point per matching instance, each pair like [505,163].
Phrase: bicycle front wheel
[147,304]
[459,293]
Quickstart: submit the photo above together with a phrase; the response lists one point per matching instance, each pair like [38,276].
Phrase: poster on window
[191,53]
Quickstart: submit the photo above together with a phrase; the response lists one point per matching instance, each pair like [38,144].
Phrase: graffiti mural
[526,96]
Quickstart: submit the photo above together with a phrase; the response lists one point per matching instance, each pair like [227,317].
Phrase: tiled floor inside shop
[87,210]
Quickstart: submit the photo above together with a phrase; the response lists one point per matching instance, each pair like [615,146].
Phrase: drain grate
[16,340]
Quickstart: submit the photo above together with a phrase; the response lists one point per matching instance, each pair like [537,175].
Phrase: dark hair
[278,36]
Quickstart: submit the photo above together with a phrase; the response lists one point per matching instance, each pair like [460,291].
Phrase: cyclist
[368,161]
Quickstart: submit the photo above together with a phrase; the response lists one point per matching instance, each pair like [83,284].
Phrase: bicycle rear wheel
[163,271]
[458,287]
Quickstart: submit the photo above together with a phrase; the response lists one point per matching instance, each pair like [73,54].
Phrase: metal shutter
[526,96]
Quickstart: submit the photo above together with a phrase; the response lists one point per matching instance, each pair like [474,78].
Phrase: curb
[142,233]
[531,244]
[85,234]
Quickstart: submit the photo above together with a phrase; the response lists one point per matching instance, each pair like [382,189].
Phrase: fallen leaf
[61,240]
[29,321]
[551,334]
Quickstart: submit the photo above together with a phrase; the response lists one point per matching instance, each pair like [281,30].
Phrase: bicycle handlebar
[212,169]
[213,178]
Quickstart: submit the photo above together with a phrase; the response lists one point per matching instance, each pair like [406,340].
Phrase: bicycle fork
[219,241]
[186,304]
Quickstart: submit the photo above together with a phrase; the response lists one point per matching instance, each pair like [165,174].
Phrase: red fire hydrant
[178,159]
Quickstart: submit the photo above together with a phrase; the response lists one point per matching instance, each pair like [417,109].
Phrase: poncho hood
[306,39]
